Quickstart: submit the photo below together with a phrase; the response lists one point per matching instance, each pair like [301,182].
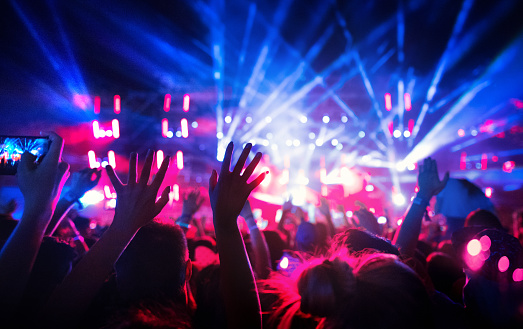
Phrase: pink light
[107,192]
[176,192]
[116,128]
[284,263]
[186,102]
[503,264]
[391,127]
[159,158]
[179,160]
[474,247]
[411,125]
[92,160]
[494,158]
[185,128]
[167,103]
[96,129]
[165,127]
[81,101]
[517,276]
[484,160]
[408,104]
[97,102]
[324,190]
[508,166]
[485,243]
[372,210]
[117,103]
[388,102]
[461,133]
[112,159]
[488,192]
[463,161]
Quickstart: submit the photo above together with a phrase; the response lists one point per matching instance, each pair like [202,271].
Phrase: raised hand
[428,179]
[83,181]
[191,203]
[136,203]
[324,207]
[230,190]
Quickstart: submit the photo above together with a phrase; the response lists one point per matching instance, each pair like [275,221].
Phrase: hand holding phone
[12,148]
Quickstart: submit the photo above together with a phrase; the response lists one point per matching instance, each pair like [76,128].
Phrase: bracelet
[420,201]
[254,227]
[78,238]
[182,224]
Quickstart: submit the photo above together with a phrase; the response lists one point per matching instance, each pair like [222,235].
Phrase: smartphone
[12,148]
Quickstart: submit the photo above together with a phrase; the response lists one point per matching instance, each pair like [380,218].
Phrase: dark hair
[210,312]
[153,264]
[358,240]
[483,217]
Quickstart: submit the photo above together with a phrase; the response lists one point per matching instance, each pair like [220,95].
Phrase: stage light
[312,146]
[388,102]
[219,135]
[408,104]
[269,135]
[397,133]
[349,213]
[400,166]
[463,161]
[104,164]
[268,119]
[399,222]
[109,133]
[186,102]
[165,127]
[248,119]
[406,134]
[361,134]
[228,119]
[159,158]
[303,119]
[97,104]
[265,142]
[116,128]
[312,135]
[398,199]
[319,142]
[339,146]
[334,142]
[488,192]
[170,134]
[411,126]
[372,210]
[369,188]
[96,129]
[217,75]
[107,192]
[274,147]
[474,132]
[167,103]
[484,161]
[284,178]
[288,142]
[194,124]
[508,166]
[267,180]
[411,166]
[284,263]
[176,192]
[474,247]
[185,128]
[112,159]
[517,276]
[461,133]
[178,133]
[92,160]
[117,104]
[91,197]
[494,158]
[503,264]
[296,142]
[344,119]
[382,220]
[326,119]
[179,160]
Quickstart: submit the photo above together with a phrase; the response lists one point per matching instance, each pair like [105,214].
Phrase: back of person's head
[306,237]
[154,264]
[358,240]
[446,274]
[481,217]
[210,312]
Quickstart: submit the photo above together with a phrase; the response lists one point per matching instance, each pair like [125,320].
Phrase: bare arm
[262,263]
[228,194]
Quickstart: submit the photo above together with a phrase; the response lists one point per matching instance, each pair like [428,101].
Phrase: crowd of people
[465,271]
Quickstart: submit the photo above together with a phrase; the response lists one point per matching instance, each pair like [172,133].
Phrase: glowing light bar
[165,127]
[186,102]
[112,159]
[179,160]
[391,127]
[167,103]
[484,160]
[408,104]
[388,102]
[411,126]
[92,160]
[91,197]
[323,175]
[116,128]
[107,192]
[97,102]
[185,128]
[176,191]
[159,158]
[117,104]
[463,161]
[96,129]
[488,192]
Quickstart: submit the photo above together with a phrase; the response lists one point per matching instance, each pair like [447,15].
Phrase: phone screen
[12,148]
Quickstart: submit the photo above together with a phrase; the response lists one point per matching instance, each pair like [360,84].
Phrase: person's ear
[188,270]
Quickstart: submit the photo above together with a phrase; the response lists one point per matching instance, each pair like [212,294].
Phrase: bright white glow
[296,142]
[406,134]
[96,129]
[186,102]
[474,132]
[265,142]
[165,127]
[400,166]
[91,197]
[365,158]
[107,192]
[284,263]
[112,159]
[274,147]
[399,222]
[312,135]
[92,160]
[116,128]
[339,146]
[179,160]
[185,128]
[319,142]
[228,119]
[217,75]
[303,119]
[312,147]
[267,180]
[109,133]
[382,220]
[159,158]
[411,166]
[361,134]
[104,164]
[398,199]
[268,119]
[369,188]
[397,133]
[248,119]
[349,213]
[111,204]
[344,119]
[288,142]
[284,178]
[220,153]
[176,192]
[269,135]
[334,142]
[194,124]
[219,135]
[474,247]
[170,134]
[326,119]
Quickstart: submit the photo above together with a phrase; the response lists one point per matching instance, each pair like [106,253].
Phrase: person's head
[358,240]
[446,274]
[154,264]
[306,237]
[210,312]
[483,218]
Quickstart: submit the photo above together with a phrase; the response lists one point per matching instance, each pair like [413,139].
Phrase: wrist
[421,200]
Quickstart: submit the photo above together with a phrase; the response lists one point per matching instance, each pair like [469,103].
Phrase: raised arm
[40,185]
[326,212]
[429,185]
[262,263]
[136,206]
[191,203]
[228,194]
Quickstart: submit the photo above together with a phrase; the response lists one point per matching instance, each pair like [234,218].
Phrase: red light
[463,161]
[96,129]
[112,159]
[484,161]
[167,103]
[508,166]
[408,104]
[92,160]
[461,132]
[159,158]
[179,160]
[97,102]
[165,127]
[411,125]
[488,192]
[117,104]
[185,128]
[388,102]
[186,102]
[116,128]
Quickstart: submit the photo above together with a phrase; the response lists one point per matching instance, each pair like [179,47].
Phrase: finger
[227,159]
[434,166]
[160,175]
[146,170]
[445,180]
[243,158]
[63,173]
[162,201]
[131,178]
[27,161]
[54,154]
[257,181]
[213,180]
[117,184]
[250,168]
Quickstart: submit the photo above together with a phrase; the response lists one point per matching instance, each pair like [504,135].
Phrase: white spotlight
[326,119]
[303,119]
